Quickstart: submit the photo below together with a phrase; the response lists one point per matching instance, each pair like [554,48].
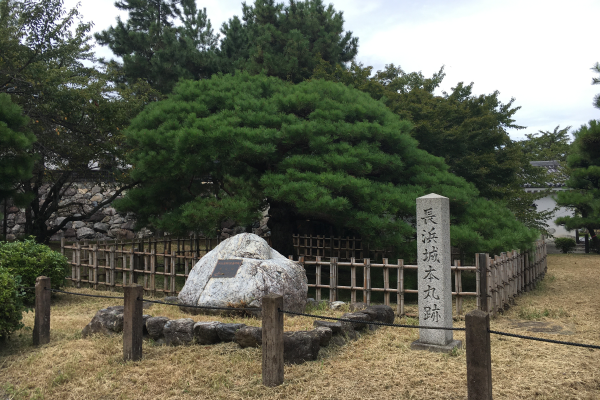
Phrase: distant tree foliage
[584,197]
[231,146]
[546,145]
[156,50]
[286,41]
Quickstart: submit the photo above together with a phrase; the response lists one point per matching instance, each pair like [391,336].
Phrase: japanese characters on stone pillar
[434,274]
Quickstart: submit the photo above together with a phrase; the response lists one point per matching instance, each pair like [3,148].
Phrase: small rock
[206,332]
[155,327]
[226,332]
[325,335]
[171,299]
[101,227]
[249,336]
[85,233]
[179,331]
[357,316]
[107,321]
[336,305]
[78,224]
[128,225]
[300,346]
[70,233]
[380,313]
[97,197]
[335,327]
[96,217]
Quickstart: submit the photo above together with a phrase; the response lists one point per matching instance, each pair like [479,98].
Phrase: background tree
[468,131]
[16,163]
[157,51]
[231,146]
[75,111]
[286,41]
[547,145]
[584,167]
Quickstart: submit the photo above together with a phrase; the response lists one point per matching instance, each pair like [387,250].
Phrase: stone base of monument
[436,348]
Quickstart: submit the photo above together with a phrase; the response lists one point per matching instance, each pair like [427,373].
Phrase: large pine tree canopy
[231,146]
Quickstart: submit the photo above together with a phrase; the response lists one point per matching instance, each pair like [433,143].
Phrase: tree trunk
[281,223]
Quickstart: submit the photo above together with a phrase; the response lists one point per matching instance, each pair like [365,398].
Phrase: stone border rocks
[299,346]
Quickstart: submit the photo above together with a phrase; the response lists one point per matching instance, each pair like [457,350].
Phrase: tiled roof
[552,167]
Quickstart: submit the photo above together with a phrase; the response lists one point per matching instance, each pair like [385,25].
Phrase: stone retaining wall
[106,224]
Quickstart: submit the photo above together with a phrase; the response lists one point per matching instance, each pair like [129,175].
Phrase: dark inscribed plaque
[226,268]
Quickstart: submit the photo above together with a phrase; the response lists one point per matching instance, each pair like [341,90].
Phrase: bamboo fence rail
[112,264]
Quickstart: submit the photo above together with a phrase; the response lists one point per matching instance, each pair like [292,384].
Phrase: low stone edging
[299,346]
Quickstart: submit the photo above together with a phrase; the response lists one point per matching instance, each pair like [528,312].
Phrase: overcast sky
[539,52]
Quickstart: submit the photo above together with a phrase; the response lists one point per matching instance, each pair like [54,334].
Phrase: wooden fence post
[479,355]
[483,282]
[133,322]
[333,279]
[272,340]
[41,325]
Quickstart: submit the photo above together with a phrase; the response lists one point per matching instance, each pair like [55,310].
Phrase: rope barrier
[204,307]
[589,346]
[371,322]
[87,295]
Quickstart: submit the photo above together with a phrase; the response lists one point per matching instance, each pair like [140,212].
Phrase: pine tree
[157,51]
[584,167]
[286,41]
[231,146]
[16,160]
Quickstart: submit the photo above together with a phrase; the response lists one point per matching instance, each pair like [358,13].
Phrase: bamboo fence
[113,264]
[343,248]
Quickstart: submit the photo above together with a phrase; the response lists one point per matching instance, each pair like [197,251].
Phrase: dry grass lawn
[379,365]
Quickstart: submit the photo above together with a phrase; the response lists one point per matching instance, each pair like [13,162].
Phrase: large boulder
[262,271]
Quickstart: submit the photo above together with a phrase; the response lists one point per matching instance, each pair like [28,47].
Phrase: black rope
[204,307]
[87,295]
[589,346]
[371,322]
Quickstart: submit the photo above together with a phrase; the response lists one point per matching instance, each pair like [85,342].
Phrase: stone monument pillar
[434,274]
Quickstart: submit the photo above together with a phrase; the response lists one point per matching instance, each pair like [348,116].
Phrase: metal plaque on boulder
[226,268]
